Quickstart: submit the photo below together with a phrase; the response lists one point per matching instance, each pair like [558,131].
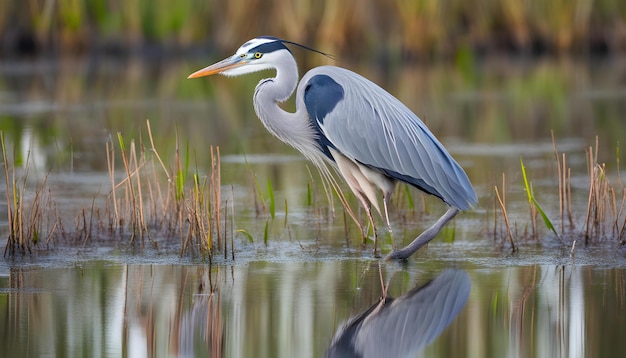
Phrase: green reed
[534,205]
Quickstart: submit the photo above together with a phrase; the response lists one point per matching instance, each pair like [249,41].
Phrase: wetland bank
[237,249]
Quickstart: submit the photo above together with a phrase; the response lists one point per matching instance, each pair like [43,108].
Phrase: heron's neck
[291,128]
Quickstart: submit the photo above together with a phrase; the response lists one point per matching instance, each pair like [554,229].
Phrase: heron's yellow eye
[258,55]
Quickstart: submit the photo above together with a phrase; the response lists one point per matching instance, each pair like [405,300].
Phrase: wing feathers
[374,128]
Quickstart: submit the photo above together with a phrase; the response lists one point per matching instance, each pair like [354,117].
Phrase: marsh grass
[604,217]
[602,220]
[154,200]
[501,200]
[32,217]
[157,202]
[149,203]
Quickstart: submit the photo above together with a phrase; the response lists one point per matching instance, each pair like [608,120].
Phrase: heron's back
[370,126]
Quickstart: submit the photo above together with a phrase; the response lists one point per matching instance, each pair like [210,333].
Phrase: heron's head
[258,54]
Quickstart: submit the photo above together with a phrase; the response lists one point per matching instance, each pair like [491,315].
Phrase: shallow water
[174,307]
[288,296]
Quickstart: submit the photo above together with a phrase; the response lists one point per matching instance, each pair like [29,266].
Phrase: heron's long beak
[221,66]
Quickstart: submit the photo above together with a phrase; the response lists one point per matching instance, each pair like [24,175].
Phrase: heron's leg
[386,198]
[368,210]
[424,237]
[371,218]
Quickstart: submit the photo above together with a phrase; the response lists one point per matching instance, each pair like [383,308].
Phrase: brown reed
[605,218]
[502,201]
[30,221]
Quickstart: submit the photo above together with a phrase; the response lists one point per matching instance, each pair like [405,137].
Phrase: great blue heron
[344,119]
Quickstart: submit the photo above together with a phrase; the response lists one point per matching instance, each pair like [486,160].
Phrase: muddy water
[290,294]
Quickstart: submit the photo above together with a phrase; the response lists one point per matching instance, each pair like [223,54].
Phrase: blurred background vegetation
[484,71]
[388,29]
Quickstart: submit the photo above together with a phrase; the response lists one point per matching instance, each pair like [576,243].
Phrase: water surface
[287,294]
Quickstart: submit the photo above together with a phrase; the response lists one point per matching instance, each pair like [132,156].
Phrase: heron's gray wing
[370,126]
[408,323]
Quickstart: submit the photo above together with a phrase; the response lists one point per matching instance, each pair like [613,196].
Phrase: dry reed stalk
[560,174]
[225,226]
[216,189]
[155,152]
[602,201]
[159,193]
[569,198]
[495,217]
[136,165]
[622,230]
[20,197]
[208,206]
[152,200]
[10,188]
[232,222]
[26,220]
[590,169]
[603,185]
[179,193]
[88,227]
[563,191]
[110,150]
[130,191]
[15,206]
[613,207]
[533,219]
[201,212]
[502,201]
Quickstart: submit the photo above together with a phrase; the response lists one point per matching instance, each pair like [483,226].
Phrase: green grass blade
[246,234]
[120,139]
[526,184]
[270,191]
[266,231]
[531,199]
[181,178]
[286,212]
[545,218]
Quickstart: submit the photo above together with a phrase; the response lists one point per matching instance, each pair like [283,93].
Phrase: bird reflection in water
[402,326]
